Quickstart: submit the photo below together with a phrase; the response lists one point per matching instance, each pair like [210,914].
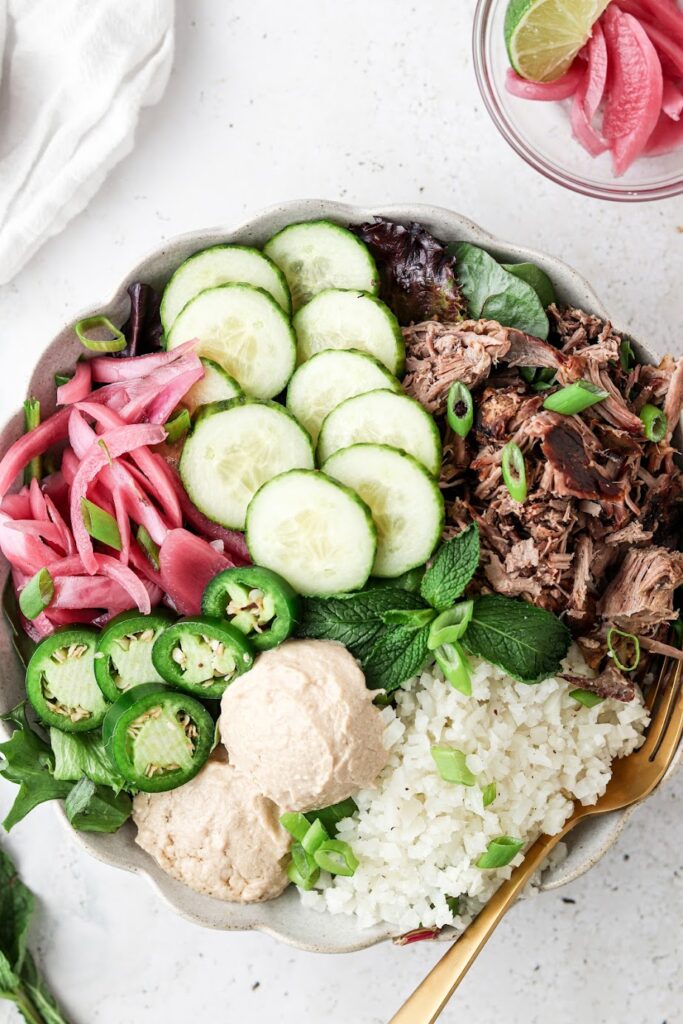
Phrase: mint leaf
[398,654]
[527,642]
[493,293]
[92,808]
[41,998]
[408,618]
[354,620]
[28,761]
[452,568]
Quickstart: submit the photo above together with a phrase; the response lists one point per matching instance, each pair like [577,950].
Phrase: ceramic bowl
[284,918]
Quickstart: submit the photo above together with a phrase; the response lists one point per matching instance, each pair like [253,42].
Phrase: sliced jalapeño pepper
[157,738]
[256,601]
[202,655]
[124,651]
[61,683]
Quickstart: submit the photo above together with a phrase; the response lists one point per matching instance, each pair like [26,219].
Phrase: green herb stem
[34,470]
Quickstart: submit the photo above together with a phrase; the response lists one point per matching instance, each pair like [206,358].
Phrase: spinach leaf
[28,761]
[83,754]
[529,643]
[398,654]
[452,568]
[20,981]
[92,808]
[493,293]
[537,278]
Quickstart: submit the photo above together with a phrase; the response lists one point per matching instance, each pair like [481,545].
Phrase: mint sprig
[452,568]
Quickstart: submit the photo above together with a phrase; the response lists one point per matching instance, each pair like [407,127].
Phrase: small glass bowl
[540,132]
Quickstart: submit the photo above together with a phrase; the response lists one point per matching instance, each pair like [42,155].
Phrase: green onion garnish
[178,426]
[586,697]
[654,423]
[451,765]
[336,857]
[295,824]
[332,815]
[100,525]
[628,640]
[34,470]
[61,378]
[452,661]
[575,398]
[499,852]
[627,356]
[545,379]
[453,904]
[411,618]
[460,409]
[315,837]
[450,625]
[114,343]
[37,594]
[148,546]
[514,471]
[488,794]
[302,870]
[527,373]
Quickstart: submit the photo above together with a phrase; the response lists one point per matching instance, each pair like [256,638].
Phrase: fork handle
[431,995]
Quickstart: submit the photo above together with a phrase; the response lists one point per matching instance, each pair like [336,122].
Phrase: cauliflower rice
[417,837]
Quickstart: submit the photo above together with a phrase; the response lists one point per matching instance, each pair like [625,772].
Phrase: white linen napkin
[75,74]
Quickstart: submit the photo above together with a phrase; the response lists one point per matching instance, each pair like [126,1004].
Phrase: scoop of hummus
[301,724]
[217,834]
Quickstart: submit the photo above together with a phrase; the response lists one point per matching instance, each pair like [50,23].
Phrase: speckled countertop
[369,103]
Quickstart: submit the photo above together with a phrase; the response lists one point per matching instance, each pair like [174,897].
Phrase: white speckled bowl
[285,918]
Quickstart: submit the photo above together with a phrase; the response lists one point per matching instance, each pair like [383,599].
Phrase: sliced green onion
[115,343]
[451,765]
[545,379]
[514,471]
[178,426]
[315,837]
[100,525]
[34,470]
[453,904]
[336,857]
[627,356]
[61,378]
[452,661]
[499,852]
[148,546]
[628,638]
[527,373]
[460,409]
[588,698]
[296,824]
[575,398]
[450,625]
[37,594]
[489,793]
[654,423]
[332,815]
[307,878]
[411,618]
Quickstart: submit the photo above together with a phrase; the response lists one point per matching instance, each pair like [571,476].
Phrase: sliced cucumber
[222,264]
[337,319]
[318,254]
[215,386]
[235,447]
[328,379]
[405,500]
[382,417]
[243,329]
[313,531]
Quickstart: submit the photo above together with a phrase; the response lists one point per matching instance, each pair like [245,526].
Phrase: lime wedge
[544,36]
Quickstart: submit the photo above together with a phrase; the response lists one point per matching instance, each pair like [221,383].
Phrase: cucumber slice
[318,254]
[215,386]
[313,531]
[382,417]
[406,503]
[328,379]
[233,449]
[244,330]
[222,264]
[350,319]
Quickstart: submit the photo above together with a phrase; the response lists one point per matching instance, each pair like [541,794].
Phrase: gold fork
[633,778]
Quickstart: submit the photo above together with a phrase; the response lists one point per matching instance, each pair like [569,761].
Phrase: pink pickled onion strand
[65,533]
[126,578]
[596,78]
[635,97]
[138,505]
[18,506]
[670,48]
[56,488]
[672,100]
[70,466]
[234,543]
[81,436]
[71,616]
[162,407]
[37,501]
[122,521]
[28,446]
[78,592]
[109,370]
[39,528]
[187,563]
[561,89]
[26,553]
[38,628]
[78,387]
[666,14]
[117,442]
[163,388]
[140,561]
[667,136]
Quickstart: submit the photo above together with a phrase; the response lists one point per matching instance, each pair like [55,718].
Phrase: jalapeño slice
[124,651]
[157,738]
[202,655]
[257,601]
[61,683]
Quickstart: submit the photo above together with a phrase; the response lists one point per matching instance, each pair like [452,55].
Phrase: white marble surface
[369,102]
